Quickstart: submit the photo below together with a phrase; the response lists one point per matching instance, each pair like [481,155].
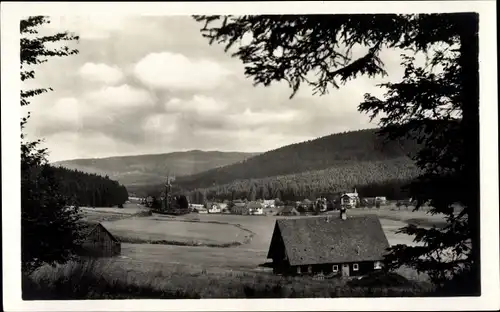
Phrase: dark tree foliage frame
[437,104]
[50,227]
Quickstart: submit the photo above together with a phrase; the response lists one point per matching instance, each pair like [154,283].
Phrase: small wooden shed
[98,241]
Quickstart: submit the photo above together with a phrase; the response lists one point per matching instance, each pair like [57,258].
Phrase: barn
[345,246]
[98,241]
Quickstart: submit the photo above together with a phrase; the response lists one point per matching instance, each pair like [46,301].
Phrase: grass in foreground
[94,280]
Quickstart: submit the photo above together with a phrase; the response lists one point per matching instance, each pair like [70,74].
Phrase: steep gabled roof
[316,240]
[86,228]
[351,195]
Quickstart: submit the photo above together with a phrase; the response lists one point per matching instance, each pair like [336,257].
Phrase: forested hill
[152,169]
[370,178]
[337,150]
[86,189]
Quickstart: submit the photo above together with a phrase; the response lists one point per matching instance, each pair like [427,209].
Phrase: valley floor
[239,243]
[151,251]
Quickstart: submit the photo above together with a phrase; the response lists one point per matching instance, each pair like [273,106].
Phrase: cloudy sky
[145,85]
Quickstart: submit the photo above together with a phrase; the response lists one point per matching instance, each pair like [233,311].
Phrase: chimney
[343,213]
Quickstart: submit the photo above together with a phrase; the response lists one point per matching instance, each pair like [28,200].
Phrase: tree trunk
[469,61]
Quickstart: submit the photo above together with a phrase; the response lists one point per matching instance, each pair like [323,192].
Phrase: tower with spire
[167,198]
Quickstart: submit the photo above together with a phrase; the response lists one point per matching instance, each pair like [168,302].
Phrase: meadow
[188,254]
[223,242]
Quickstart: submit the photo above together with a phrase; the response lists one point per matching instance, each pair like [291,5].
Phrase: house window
[355,267]
[377,265]
[335,268]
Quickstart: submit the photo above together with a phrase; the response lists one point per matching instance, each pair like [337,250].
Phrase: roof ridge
[359,238]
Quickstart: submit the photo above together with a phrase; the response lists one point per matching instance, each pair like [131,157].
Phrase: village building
[335,246]
[98,241]
[201,210]
[269,203]
[240,208]
[381,199]
[223,207]
[255,208]
[306,205]
[192,207]
[288,211]
[213,207]
[350,200]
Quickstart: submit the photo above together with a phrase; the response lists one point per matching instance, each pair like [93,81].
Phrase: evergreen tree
[49,231]
[440,108]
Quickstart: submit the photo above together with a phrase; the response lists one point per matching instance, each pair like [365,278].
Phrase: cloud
[101,73]
[160,124]
[175,71]
[120,97]
[117,111]
[197,104]
[141,86]
[65,113]
[71,145]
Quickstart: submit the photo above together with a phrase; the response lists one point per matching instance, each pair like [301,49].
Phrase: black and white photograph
[252,150]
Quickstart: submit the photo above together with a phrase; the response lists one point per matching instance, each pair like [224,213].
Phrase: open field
[139,254]
[103,214]
[105,279]
[165,269]
[157,228]
[146,262]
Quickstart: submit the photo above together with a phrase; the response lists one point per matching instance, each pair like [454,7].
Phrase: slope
[370,178]
[152,169]
[336,150]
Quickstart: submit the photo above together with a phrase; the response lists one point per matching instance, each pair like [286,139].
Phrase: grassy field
[151,254]
[202,229]
[104,279]
[103,214]
[158,228]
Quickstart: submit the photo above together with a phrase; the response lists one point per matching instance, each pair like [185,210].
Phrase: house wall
[325,268]
[100,244]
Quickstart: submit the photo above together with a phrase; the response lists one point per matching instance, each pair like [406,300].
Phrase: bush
[381,279]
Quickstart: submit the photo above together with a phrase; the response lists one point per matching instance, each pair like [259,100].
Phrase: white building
[349,200]
[381,199]
[269,203]
[213,208]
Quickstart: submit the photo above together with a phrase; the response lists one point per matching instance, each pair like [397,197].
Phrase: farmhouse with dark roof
[344,246]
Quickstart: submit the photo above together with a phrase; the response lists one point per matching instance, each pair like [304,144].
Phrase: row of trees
[85,189]
[383,178]
[393,189]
